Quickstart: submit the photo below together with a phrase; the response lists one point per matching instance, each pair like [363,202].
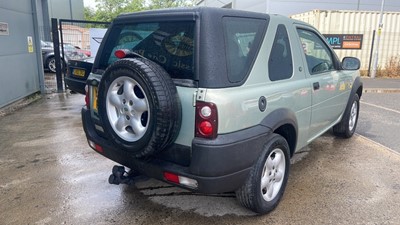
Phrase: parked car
[87,53]
[75,52]
[77,74]
[48,57]
[216,100]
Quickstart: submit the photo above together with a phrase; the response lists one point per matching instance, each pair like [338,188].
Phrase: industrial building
[23,24]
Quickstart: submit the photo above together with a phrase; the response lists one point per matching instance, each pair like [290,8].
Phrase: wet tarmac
[49,175]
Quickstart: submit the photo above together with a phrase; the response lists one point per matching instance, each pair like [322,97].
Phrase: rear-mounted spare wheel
[139,106]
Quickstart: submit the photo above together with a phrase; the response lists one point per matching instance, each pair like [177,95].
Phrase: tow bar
[120,176]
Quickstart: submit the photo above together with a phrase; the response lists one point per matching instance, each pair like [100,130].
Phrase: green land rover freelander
[216,100]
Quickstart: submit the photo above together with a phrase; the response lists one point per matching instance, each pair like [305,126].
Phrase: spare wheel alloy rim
[273,174]
[127,109]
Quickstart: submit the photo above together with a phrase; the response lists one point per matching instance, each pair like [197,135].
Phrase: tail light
[87,97]
[206,120]
[121,53]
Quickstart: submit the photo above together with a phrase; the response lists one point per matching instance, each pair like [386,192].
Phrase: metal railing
[72,40]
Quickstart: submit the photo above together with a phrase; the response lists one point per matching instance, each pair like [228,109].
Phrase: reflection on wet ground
[49,175]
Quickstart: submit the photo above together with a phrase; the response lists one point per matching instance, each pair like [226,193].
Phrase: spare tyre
[139,106]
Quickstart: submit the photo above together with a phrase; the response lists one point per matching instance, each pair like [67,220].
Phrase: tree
[88,13]
[160,4]
[107,10]
[135,6]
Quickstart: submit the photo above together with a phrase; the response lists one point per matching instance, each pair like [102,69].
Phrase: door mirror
[350,63]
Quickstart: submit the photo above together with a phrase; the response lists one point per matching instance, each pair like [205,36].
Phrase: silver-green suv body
[217,100]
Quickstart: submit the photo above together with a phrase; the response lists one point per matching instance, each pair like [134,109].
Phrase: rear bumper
[218,166]
[75,84]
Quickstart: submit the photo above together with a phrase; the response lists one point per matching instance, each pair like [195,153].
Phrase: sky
[290,7]
[89,3]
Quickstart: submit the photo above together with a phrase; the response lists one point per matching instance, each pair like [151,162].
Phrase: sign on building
[344,41]
[4,29]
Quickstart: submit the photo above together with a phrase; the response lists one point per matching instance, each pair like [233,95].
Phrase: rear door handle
[316,85]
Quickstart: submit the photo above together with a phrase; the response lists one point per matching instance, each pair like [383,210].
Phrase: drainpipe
[37,47]
[70,10]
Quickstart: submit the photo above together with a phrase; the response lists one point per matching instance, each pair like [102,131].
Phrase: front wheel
[267,180]
[347,126]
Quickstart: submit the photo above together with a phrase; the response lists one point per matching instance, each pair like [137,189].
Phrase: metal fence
[71,40]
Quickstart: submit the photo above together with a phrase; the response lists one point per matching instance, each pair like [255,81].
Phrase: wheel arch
[283,122]
[357,88]
[360,90]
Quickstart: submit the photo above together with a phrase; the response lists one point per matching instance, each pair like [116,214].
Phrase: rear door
[324,78]
[170,44]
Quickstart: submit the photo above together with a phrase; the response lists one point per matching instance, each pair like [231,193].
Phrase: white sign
[96,36]
[4,29]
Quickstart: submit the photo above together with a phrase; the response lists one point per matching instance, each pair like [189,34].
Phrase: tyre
[267,180]
[51,64]
[347,126]
[139,106]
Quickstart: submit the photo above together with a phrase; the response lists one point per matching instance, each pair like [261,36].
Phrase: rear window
[170,44]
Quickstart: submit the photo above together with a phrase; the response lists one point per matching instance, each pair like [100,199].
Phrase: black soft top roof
[194,12]
[210,59]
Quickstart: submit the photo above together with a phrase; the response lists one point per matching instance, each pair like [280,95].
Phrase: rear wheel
[347,126]
[139,106]
[267,180]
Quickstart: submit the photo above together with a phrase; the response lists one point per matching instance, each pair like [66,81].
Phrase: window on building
[280,63]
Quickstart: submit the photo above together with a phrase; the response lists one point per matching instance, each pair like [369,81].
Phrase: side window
[242,37]
[318,56]
[280,63]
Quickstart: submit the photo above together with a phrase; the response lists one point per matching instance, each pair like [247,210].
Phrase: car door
[323,75]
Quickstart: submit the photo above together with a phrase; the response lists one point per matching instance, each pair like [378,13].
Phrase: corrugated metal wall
[359,22]
[19,69]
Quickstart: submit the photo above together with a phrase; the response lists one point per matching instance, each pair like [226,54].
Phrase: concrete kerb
[381,90]
[381,85]
[380,145]
[8,109]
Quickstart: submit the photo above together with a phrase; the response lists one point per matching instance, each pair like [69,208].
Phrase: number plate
[78,72]
[94,99]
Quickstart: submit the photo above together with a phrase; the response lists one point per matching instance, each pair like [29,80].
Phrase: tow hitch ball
[120,176]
